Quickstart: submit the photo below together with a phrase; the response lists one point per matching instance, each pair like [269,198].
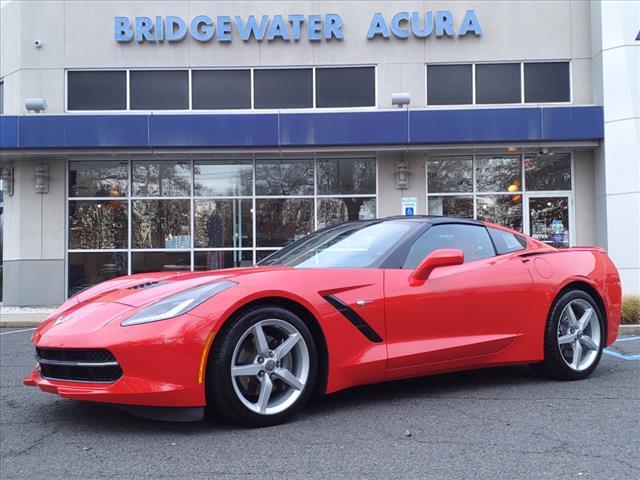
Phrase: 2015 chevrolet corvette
[357,303]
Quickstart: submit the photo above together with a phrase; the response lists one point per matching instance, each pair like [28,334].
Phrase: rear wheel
[262,368]
[574,337]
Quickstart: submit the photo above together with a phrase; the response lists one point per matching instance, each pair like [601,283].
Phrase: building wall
[80,35]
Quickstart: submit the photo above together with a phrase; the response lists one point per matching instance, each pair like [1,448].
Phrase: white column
[616,82]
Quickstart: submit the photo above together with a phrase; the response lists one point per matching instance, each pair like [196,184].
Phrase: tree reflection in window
[98,224]
[161,224]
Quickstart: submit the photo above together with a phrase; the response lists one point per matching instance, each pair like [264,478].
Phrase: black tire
[554,364]
[220,391]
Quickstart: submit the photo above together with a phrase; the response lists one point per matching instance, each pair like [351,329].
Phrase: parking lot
[498,423]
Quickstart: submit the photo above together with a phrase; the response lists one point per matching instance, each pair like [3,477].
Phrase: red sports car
[357,303]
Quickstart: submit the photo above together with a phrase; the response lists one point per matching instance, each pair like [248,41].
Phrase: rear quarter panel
[555,270]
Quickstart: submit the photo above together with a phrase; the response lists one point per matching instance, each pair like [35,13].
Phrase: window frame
[521,103]
[524,192]
[252,70]
[192,197]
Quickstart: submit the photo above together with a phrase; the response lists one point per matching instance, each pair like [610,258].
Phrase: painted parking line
[627,339]
[18,331]
[621,355]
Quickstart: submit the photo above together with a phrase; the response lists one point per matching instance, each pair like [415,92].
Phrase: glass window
[345,87]
[161,178]
[105,90]
[347,176]
[98,224]
[159,89]
[338,210]
[549,220]
[283,220]
[473,240]
[262,254]
[498,83]
[223,223]
[161,223]
[283,88]
[284,177]
[548,172]
[98,179]
[352,245]
[546,82]
[451,206]
[498,174]
[503,210]
[213,260]
[87,269]
[449,85]
[223,178]
[221,89]
[506,242]
[143,262]
[450,174]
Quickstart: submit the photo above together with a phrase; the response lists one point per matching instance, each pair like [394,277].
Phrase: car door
[461,311]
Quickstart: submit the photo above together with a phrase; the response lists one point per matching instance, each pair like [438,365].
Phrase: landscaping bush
[630,309]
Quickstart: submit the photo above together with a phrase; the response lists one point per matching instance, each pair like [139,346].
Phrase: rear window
[507,242]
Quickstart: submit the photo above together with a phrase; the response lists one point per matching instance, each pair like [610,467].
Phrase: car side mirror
[444,257]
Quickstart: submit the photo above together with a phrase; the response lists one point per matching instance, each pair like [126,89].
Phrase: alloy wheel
[579,334]
[270,366]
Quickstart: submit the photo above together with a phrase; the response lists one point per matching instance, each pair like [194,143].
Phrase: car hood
[143,289]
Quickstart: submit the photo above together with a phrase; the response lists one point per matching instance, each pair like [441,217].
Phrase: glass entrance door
[548,219]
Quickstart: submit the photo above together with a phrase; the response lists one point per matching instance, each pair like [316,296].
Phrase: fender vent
[353,317]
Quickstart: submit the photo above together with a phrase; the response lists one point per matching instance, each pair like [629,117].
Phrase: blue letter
[278,29]
[143,29]
[201,28]
[470,23]
[333,26]
[252,28]
[314,27]
[444,24]
[173,34]
[296,23]
[378,26]
[159,29]
[428,24]
[395,25]
[224,29]
[122,29]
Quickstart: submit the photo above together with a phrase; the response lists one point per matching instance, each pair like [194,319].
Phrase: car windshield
[350,245]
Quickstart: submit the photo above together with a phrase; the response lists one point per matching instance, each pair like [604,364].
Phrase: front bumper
[161,362]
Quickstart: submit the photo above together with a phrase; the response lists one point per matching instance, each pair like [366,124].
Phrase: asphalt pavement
[495,423]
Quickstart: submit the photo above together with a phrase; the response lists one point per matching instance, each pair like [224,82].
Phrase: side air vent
[353,317]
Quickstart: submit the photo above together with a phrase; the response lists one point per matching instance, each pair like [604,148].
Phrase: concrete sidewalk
[33,318]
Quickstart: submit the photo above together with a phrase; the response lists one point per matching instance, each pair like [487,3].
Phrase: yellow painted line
[207,344]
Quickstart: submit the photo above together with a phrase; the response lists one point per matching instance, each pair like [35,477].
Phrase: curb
[10,320]
[629,330]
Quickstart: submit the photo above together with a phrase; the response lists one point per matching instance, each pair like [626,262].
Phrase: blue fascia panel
[343,128]
[577,123]
[8,132]
[106,131]
[223,130]
[480,125]
[309,129]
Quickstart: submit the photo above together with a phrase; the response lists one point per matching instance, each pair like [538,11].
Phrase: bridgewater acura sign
[313,28]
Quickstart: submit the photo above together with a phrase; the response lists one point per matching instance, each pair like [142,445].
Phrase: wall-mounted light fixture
[41,178]
[6,174]
[401,99]
[36,105]
[402,174]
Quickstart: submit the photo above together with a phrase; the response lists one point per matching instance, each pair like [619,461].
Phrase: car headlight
[177,304]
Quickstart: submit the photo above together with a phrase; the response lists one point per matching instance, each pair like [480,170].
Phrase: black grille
[75,355]
[76,365]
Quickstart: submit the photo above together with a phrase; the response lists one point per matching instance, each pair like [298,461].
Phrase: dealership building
[192,135]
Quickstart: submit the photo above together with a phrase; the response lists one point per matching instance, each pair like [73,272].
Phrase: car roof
[432,219]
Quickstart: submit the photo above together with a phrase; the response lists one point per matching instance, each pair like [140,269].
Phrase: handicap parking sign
[409,205]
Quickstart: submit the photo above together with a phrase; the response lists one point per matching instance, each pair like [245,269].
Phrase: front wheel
[574,337]
[262,368]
